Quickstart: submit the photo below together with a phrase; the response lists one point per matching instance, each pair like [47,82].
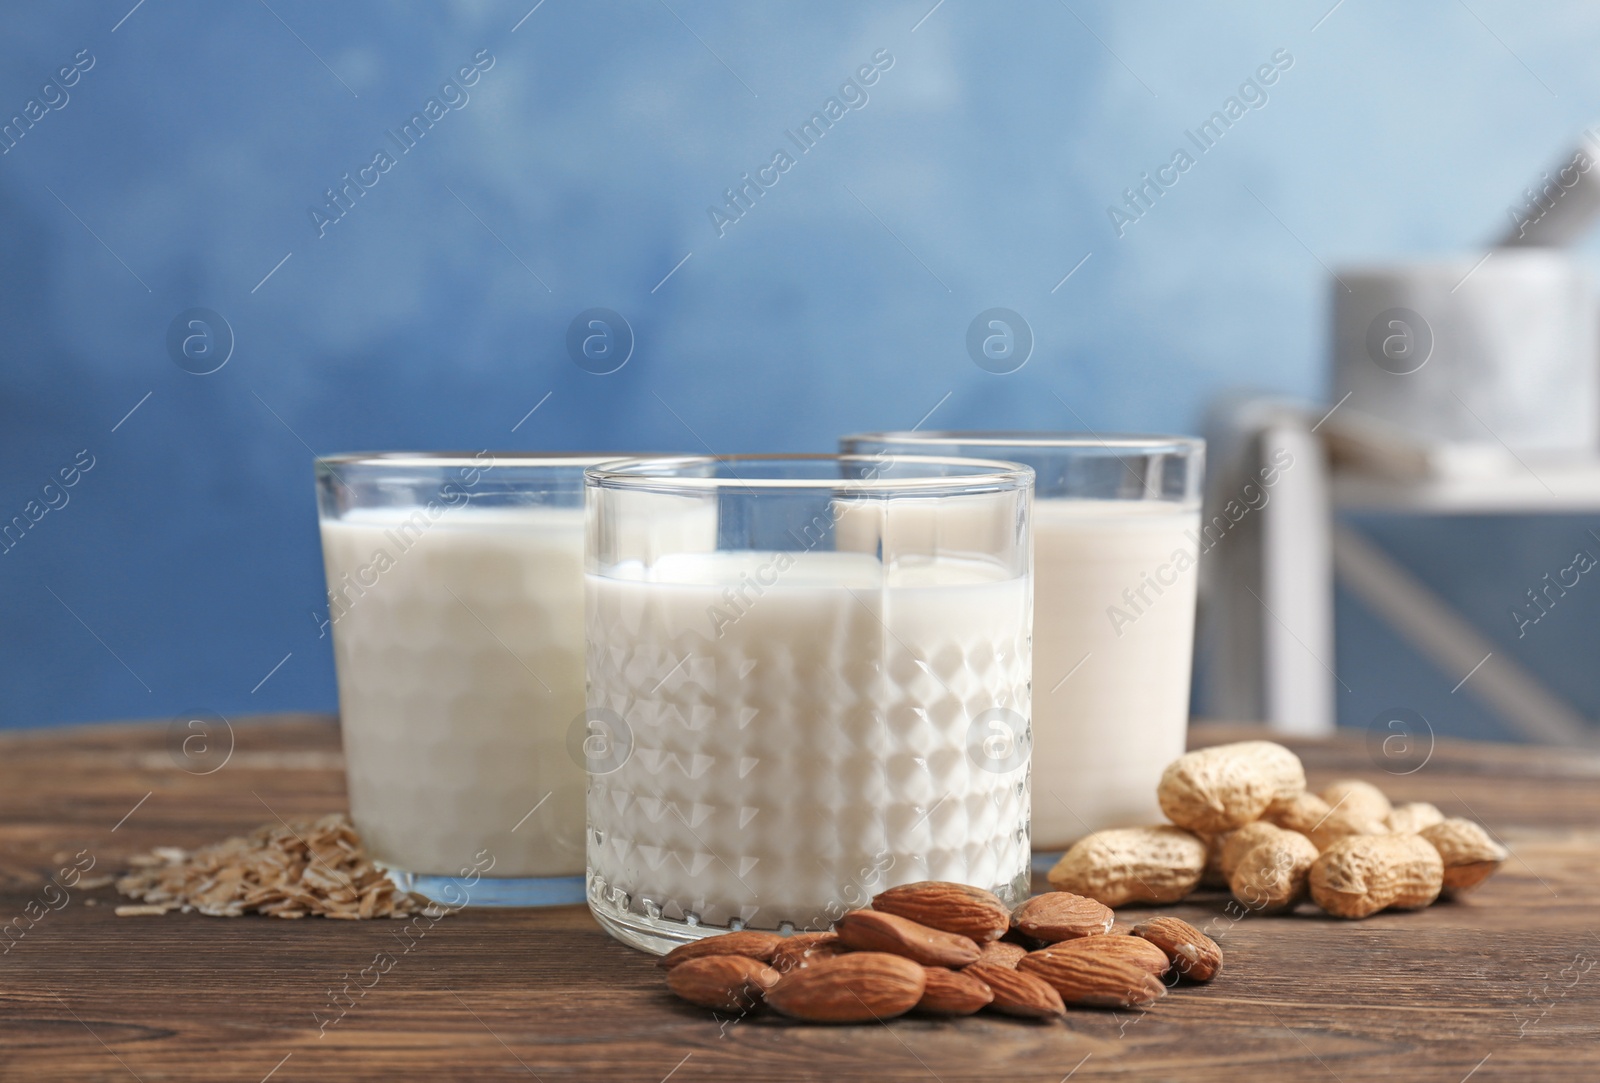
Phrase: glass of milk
[1116,524]
[455,603]
[824,696]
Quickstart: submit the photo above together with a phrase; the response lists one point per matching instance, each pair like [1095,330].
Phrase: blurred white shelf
[1538,487]
[1269,608]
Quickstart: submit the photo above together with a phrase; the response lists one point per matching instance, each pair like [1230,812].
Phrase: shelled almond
[729,983]
[749,943]
[953,992]
[1013,992]
[1061,915]
[869,930]
[1095,979]
[875,965]
[798,950]
[857,988]
[1193,954]
[1133,950]
[1001,953]
[967,911]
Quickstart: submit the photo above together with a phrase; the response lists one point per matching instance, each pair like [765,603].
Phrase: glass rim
[656,474]
[1024,440]
[412,460]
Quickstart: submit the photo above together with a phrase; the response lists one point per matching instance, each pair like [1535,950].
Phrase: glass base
[454,892]
[659,935]
[655,935]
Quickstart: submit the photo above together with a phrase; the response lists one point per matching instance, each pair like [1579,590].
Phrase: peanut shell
[1132,865]
[1469,854]
[1274,874]
[1211,876]
[1363,874]
[1357,797]
[1226,786]
[1411,818]
[1342,823]
[1235,844]
[1302,812]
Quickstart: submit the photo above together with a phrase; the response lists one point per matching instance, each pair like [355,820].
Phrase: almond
[1094,980]
[747,942]
[1000,953]
[1130,949]
[952,992]
[954,908]
[855,988]
[1061,915]
[869,930]
[728,983]
[803,949]
[1194,954]
[1019,994]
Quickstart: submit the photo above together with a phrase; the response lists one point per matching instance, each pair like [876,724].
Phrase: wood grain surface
[1502,986]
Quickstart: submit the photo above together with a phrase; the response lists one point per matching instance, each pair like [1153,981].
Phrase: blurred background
[389,218]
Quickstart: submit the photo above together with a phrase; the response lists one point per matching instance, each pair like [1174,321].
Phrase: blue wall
[182,167]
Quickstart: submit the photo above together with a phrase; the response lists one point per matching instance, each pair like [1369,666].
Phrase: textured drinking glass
[818,693]
[455,601]
[1115,534]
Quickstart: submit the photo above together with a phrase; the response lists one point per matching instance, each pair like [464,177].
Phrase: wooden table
[1500,987]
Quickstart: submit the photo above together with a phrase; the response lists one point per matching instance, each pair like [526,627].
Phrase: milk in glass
[1114,584]
[800,727]
[459,649]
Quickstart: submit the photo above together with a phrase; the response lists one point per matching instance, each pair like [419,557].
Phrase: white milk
[1102,736]
[800,733]
[459,649]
